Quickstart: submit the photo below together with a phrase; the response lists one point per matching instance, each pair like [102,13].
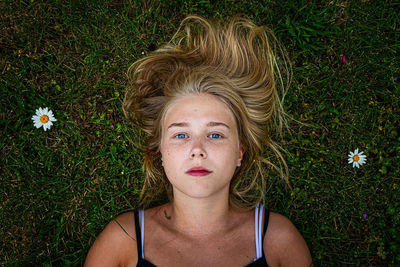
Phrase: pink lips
[198,171]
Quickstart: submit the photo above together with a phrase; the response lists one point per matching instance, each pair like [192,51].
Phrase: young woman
[209,102]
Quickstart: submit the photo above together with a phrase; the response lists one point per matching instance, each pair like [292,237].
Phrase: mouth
[198,171]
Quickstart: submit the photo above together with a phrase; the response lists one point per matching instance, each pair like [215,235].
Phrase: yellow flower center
[44,118]
[356,157]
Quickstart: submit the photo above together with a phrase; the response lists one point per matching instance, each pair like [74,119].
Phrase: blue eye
[216,136]
[180,136]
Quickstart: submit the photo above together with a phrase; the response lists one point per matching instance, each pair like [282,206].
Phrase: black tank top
[261,262]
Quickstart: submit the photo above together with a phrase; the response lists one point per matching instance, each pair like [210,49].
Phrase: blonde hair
[235,61]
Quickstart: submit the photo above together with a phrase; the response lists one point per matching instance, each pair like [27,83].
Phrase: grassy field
[60,187]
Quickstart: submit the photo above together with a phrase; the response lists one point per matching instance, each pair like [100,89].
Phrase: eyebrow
[185,124]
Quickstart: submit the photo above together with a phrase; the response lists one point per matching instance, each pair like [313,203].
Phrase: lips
[198,171]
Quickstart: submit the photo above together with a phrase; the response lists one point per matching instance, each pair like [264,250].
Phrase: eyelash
[220,135]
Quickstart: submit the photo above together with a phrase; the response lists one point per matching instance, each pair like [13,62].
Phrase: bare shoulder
[283,244]
[116,245]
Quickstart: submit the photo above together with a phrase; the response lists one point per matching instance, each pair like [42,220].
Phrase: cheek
[225,156]
[172,162]
[167,150]
[234,157]
[170,157]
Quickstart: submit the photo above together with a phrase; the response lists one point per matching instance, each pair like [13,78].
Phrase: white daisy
[44,117]
[357,158]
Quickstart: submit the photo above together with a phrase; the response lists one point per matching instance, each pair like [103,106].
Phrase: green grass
[59,188]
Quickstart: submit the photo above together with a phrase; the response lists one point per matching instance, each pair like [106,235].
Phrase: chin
[199,192]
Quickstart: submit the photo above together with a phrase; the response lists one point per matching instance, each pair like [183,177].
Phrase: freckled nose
[198,151]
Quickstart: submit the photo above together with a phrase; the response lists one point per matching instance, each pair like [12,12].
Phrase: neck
[199,218]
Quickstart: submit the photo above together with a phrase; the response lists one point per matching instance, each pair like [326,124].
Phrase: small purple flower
[343,59]
[365,215]
[394,78]
[112,126]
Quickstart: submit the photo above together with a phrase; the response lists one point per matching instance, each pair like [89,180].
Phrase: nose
[198,150]
[198,154]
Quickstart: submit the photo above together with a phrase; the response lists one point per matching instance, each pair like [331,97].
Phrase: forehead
[203,108]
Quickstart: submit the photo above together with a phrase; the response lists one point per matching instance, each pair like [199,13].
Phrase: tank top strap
[138,234]
[258,216]
[260,230]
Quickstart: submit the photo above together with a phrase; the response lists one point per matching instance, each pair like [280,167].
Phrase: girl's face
[200,131]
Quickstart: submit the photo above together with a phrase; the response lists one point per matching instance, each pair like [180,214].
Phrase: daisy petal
[357,158]
[37,118]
